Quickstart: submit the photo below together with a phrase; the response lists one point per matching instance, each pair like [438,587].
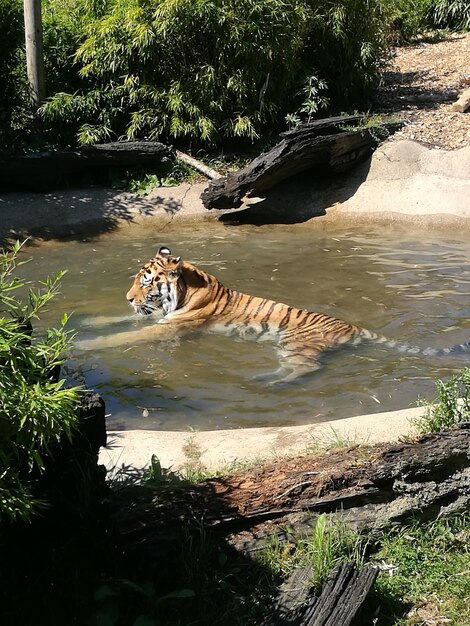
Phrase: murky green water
[407,287]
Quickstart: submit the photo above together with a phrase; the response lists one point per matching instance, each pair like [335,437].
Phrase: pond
[406,286]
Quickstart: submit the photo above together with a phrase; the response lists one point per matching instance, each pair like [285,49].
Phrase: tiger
[189,298]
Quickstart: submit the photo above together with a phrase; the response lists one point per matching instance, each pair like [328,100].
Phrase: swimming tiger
[190,298]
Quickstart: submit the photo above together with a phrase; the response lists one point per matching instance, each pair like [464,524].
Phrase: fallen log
[328,144]
[41,171]
[371,487]
[429,97]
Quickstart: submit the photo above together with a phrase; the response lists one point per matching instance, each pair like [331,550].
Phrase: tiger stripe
[190,297]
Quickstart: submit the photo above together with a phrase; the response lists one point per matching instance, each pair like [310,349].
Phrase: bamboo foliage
[202,71]
[35,408]
[208,70]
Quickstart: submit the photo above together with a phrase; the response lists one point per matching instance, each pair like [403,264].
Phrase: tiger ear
[177,264]
[164,251]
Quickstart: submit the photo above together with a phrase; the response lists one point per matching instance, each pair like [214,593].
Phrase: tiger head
[155,285]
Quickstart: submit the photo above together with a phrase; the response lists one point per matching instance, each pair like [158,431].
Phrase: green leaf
[104,592]
[108,615]
[179,593]
[144,620]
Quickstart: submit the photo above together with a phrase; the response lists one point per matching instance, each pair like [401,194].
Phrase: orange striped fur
[190,298]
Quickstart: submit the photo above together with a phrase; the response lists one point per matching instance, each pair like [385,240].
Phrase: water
[407,287]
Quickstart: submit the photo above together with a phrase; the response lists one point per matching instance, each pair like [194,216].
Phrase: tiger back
[190,298]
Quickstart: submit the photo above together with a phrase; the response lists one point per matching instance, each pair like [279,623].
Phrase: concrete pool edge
[215,449]
[404,183]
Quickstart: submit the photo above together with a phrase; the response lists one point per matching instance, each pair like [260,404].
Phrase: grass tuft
[331,543]
[451,406]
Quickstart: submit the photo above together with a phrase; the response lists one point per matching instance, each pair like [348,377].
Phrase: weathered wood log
[46,170]
[339,601]
[341,598]
[324,144]
[463,103]
[429,97]
[370,487]
[293,595]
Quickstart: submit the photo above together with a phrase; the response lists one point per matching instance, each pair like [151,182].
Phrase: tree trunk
[34,52]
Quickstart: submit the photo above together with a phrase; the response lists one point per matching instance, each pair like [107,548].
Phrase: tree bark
[370,487]
[338,603]
[34,52]
[319,146]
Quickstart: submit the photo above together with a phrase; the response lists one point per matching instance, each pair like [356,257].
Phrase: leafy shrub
[11,56]
[451,406]
[62,34]
[63,30]
[410,18]
[453,14]
[35,408]
[210,71]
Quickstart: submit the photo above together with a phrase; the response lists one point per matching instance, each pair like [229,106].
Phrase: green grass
[425,568]
[450,407]
[330,543]
[429,575]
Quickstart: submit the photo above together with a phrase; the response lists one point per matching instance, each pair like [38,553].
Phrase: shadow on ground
[93,211]
[77,213]
[300,198]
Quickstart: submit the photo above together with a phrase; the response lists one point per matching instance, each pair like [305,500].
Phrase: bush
[63,31]
[35,409]
[451,405]
[11,57]
[453,14]
[210,71]
[412,18]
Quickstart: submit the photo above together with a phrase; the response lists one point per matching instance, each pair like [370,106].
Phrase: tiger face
[155,284]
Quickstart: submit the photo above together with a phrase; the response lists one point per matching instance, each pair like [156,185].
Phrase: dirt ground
[421,83]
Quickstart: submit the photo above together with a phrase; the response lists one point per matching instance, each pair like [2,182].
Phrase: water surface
[407,287]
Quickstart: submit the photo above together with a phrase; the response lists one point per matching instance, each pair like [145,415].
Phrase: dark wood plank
[338,603]
[292,598]
[47,170]
[341,598]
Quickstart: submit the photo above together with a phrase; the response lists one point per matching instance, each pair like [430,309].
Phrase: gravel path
[422,82]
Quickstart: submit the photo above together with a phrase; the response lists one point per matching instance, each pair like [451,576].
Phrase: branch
[197,165]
